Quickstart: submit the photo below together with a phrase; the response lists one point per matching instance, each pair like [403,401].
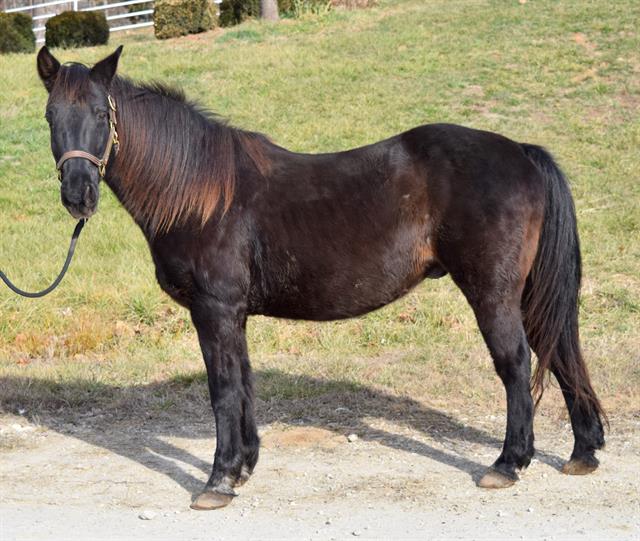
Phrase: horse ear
[48,68]
[104,70]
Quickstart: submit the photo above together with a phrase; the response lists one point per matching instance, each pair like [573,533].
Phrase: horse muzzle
[80,196]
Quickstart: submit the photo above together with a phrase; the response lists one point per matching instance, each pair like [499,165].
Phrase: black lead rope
[65,267]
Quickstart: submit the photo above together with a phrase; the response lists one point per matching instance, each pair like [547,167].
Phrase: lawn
[562,74]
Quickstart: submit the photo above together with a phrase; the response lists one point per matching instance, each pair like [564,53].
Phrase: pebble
[147,515]
[356,533]
[352,437]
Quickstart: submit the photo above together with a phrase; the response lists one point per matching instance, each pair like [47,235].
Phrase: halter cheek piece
[112,142]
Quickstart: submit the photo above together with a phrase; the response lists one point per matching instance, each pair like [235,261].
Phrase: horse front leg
[221,332]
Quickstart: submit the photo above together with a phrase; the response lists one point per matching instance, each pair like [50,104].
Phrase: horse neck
[173,165]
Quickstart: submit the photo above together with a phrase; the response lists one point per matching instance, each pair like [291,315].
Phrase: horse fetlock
[592,439]
[513,460]
[581,464]
[225,483]
[251,453]
[524,463]
[245,474]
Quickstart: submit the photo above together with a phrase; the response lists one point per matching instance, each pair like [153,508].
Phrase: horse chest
[174,280]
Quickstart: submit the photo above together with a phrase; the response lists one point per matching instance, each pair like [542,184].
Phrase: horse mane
[179,161]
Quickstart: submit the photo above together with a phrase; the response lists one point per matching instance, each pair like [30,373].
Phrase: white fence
[54,7]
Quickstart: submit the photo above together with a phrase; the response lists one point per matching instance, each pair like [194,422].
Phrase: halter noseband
[112,142]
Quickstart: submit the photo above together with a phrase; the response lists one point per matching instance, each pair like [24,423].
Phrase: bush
[298,8]
[16,33]
[76,29]
[173,18]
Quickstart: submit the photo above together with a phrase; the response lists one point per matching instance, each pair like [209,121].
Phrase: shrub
[173,18]
[16,33]
[299,8]
[76,29]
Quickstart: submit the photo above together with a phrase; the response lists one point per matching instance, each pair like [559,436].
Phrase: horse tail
[551,294]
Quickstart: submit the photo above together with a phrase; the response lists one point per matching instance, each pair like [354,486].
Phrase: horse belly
[330,284]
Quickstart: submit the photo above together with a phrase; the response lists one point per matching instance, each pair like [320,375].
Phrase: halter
[112,142]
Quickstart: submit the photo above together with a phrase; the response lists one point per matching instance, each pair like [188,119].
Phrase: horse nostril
[65,200]
[89,198]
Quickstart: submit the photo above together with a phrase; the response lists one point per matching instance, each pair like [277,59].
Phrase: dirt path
[95,479]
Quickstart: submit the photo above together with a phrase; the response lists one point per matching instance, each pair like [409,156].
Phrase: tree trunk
[269,10]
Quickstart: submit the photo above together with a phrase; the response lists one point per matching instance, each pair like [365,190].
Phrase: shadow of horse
[179,407]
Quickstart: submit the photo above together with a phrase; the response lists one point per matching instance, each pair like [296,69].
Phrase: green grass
[562,74]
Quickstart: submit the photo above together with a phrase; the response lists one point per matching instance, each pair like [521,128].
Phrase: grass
[565,75]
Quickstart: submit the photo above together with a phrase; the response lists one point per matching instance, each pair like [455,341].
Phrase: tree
[269,10]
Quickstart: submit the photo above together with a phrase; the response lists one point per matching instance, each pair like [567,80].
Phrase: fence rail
[41,18]
[37,6]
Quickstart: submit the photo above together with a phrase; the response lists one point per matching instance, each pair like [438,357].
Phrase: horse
[239,226]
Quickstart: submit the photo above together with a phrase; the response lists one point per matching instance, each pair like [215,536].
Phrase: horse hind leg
[551,322]
[582,404]
[587,429]
[502,329]
[494,290]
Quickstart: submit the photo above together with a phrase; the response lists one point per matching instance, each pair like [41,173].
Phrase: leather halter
[112,142]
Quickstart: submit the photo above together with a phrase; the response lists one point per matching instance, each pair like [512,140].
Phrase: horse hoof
[211,500]
[495,479]
[576,466]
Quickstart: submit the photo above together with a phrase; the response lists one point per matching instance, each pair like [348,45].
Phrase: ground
[103,401]
[408,473]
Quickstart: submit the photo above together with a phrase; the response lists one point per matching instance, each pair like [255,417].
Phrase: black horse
[239,226]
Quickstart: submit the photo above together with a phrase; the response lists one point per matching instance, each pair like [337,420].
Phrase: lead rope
[56,282]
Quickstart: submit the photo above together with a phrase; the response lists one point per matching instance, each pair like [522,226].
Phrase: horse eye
[102,115]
